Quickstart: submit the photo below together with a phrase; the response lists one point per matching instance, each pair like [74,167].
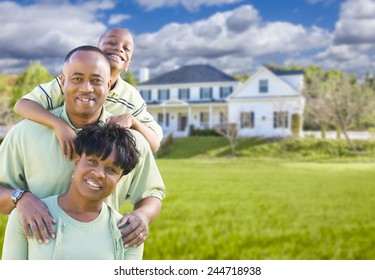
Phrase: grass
[274,201]
[248,209]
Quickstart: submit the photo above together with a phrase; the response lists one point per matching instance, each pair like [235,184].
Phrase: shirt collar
[64,115]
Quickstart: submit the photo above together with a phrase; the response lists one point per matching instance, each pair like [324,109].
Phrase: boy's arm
[34,111]
[128,121]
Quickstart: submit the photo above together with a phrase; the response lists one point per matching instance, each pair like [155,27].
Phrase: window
[184,94]
[247,119]
[163,94]
[160,118]
[146,95]
[204,119]
[281,119]
[206,93]
[225,91]
[263,86]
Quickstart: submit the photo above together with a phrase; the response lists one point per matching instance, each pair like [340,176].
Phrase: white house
[203,96]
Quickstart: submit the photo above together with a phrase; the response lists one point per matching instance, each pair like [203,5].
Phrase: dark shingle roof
[190,74]
[287,72]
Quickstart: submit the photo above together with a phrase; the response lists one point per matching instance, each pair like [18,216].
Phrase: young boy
[123,101]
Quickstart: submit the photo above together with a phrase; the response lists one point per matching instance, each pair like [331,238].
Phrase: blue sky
[236,36]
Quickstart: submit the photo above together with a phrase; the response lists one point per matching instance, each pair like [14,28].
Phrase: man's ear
[110,84]
[62,79]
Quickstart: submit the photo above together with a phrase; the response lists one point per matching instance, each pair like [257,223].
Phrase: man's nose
[86,87]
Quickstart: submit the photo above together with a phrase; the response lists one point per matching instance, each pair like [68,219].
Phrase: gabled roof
[190,74]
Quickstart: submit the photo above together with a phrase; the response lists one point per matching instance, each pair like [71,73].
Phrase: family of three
[64,205]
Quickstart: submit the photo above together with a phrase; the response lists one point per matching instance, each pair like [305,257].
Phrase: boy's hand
[124,120]
[66,136]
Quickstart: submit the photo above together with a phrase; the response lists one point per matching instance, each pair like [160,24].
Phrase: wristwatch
[16,195]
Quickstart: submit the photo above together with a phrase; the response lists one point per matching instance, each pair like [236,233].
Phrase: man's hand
[36,218]
[136,229]
[124,120]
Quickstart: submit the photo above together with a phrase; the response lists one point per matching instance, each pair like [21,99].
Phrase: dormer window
[263,86]
[146,94]
[225,91]
[184,94]
[206,93]
[163,94]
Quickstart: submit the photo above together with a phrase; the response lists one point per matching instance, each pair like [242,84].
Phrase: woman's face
[95,178]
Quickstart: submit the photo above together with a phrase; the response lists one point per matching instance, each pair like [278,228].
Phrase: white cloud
[191,5]
[222,43]
[357,22]
[46,31]
[117,18]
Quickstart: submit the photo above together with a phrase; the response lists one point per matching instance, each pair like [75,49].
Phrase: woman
[86,227]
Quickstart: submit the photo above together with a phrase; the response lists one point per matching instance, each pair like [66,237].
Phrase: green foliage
[308,149]
[165,146]
[34,74]
[129,78]
[242,78]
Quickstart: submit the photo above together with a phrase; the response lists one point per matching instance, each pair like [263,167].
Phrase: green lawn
[263,209]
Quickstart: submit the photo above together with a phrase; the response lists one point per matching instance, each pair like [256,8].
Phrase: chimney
[143,74]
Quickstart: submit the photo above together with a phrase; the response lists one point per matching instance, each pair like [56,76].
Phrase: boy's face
[117,44]
[95,178]
[85,82]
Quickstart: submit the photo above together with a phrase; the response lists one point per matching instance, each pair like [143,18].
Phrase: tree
[129,78]
[34,74]
[337,99]
[229,131]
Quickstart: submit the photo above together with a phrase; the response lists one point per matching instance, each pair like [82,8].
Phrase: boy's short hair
[101,139]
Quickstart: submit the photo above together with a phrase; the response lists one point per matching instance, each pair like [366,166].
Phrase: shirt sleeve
[15,246]
[134,253]
[12,158]
[145,179]
[48,95]
[140,113]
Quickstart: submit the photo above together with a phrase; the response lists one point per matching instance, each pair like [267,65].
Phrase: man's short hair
[86,48]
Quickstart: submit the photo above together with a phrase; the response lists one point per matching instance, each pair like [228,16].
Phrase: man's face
[85,82]
[117,44]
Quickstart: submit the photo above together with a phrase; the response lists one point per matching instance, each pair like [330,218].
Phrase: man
[31,160]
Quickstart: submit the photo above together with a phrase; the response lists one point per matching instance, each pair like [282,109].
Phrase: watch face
[16,195]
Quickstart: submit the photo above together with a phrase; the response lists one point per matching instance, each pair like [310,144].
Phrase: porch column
[164,117]
[190,116]
[210,116]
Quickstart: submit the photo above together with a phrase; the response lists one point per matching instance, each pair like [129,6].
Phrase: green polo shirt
[31,158]
[122,99]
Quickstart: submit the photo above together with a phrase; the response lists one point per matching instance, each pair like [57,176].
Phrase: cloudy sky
[236,36]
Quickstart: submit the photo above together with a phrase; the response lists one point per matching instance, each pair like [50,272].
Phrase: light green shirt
[31,159]
[99,239]
[122,99]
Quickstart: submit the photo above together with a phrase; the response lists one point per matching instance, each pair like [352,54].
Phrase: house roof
[190,74]
[287,72]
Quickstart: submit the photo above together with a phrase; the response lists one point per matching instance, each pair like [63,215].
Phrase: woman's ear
[76,159]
